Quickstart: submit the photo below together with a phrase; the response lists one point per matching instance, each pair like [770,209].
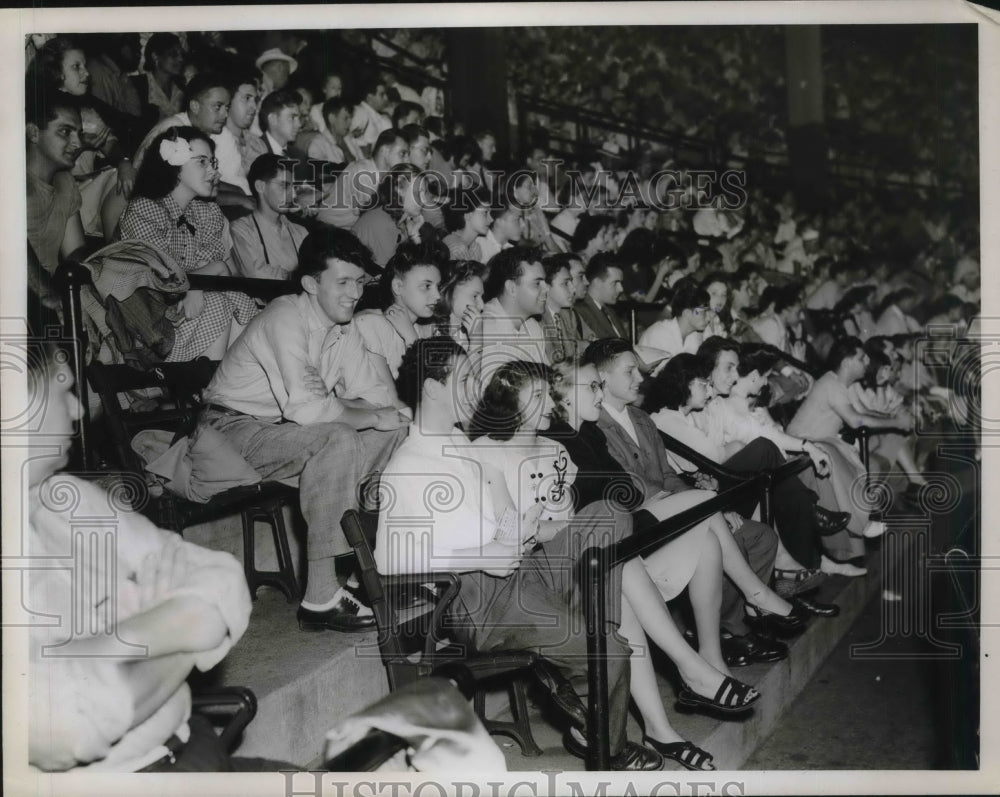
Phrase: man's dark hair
[333,105]
[368,83]
[782,296]
[276,102]
[757,357]
[600,264]
[853,296]
[553,264]
[427,358]
[404,109]
[242,77]
[687,297]
[587,229]
[672,386]
[386,138]
[201,84]
[43,105]
[601,353]
[843,349]
[712,346]
[413,133]
[331,242]
[265,167]
[508,264]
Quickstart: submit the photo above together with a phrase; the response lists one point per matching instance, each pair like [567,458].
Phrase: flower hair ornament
[177,152]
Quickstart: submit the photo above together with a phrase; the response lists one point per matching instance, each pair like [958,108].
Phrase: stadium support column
[807,143]
[477,72]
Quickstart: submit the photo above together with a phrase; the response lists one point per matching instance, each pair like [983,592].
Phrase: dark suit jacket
[596,321]
[648,460]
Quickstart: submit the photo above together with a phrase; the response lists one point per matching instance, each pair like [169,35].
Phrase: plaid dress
[195,237]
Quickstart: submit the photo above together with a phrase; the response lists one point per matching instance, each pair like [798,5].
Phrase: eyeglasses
[206,161]
[595,387]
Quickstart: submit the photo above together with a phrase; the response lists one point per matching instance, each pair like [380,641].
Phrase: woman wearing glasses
[173,209]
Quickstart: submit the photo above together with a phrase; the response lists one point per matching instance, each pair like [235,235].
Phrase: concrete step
[305,682]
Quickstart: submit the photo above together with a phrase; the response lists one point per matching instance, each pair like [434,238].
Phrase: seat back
[176,409]
[409,649]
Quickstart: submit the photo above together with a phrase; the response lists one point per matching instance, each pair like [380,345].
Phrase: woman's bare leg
[705,591]
[736,567]
[643,680]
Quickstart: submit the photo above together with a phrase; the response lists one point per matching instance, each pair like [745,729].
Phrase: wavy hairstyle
[499,415]
[156,177]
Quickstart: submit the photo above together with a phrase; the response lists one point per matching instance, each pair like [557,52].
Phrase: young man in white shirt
[683,332]
[508,328]
[298,395]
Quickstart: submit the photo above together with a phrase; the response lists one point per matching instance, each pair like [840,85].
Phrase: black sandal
[732,697]
[688,755]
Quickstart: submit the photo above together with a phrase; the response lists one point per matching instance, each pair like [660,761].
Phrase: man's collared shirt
[499,340]
[265,250]
[263,373]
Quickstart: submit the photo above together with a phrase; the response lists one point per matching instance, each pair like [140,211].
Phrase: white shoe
[875,528]
[840,568]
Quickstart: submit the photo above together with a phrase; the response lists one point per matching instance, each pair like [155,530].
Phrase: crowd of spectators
[436,298]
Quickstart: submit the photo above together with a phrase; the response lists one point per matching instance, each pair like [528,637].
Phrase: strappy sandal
[687,754]
[732,697]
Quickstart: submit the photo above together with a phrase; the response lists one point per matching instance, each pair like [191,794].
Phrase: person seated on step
[298,395]
[138,609]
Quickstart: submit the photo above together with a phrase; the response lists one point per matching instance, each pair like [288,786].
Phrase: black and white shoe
[348,615]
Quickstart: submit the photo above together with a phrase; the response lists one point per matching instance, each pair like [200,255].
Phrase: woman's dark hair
[893,298]
[782,296]
[461,201]
[841,350]
[426,358]
[671,388]
[876,359]
[499,414]
[390,188]
[156,177]
[458,273]
[757,357]
[49,61]
[854,296]
[587,229]
[407,257]
[158,44]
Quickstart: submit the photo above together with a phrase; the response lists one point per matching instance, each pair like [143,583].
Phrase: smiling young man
[515,291]
[298,395]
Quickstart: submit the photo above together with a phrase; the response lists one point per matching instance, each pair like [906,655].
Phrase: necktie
[559,350]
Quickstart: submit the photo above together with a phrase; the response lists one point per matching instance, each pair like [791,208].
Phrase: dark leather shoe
[815,607]
[740,651]
[349,615]
[828,522]
[633,757]
[563,694]
[769,625]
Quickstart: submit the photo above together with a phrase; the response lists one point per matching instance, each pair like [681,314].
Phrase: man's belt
[221,408]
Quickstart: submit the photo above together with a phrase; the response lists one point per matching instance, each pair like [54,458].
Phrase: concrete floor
[863,713]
